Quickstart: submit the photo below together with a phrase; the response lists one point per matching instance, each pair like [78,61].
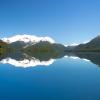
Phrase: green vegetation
[45,47]
[45,50]
[92,46]
[4,48]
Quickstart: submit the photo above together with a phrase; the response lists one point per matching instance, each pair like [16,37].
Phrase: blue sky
[66,21]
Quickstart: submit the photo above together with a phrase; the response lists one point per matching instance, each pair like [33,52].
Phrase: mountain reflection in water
[24,60]
[93,57]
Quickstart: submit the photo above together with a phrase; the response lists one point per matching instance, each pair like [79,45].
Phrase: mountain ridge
[27,38]
[92,45]
[26,44]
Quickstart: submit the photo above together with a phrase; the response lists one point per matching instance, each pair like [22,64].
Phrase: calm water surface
[68,78]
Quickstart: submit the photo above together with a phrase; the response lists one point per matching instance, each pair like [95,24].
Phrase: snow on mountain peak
[25,63]
[27,38]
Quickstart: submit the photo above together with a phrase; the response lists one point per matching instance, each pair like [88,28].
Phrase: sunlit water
[68,78]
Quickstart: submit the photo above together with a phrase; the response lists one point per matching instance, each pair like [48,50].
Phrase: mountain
[45,49]
[94,42]
[18,45]
[93,45]
[31,44]
[27,38]
[18,42]
[70,48]
[4,47]
[45,46]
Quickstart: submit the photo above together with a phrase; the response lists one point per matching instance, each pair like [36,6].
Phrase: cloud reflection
[26,62]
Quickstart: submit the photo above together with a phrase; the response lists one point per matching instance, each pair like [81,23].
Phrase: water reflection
[93,57]
[24,60]
[19,59]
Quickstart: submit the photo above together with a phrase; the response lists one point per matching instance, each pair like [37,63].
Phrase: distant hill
[31,47]
[45,46]
[93,45]
[20,44]
[4,47]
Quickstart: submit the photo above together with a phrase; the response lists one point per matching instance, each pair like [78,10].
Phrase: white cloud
[65,45]
[27,38]
[74,44]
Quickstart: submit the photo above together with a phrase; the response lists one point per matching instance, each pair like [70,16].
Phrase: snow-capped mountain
[25,63]
[73,44]
[27,38]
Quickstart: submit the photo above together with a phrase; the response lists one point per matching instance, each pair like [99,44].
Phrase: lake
[72,77]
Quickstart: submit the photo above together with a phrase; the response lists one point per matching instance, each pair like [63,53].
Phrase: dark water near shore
[67,78]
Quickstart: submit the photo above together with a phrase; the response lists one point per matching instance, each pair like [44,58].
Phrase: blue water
[65,79]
